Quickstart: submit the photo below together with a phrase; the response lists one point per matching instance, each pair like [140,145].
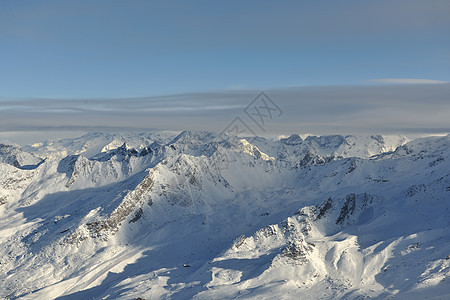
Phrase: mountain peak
[16,157]
[292,140]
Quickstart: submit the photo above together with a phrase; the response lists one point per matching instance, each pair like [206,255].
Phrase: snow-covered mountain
[207,216]
[13,155]
[93,143]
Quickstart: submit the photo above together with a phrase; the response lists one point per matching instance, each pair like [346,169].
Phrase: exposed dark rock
[415,189]
[323,209]
[3,200]
[347,209]
[240,240]
[137,215]
[352,166]
[298,250]
[293,140]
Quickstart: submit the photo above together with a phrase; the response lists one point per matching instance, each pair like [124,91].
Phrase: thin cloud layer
[402,109]
[408,81]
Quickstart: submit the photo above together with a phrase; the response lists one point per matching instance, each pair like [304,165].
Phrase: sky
[81,55]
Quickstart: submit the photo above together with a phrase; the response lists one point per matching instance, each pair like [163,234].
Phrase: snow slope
[197,215]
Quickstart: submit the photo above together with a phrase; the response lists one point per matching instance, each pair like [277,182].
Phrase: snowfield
[166,215]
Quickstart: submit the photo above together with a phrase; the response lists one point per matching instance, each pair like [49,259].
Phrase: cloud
[399,109]
[408,81]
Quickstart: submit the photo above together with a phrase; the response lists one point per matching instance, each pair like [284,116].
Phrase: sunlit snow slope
[197,215]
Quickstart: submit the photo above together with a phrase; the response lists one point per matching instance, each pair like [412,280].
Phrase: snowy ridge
[93,143]
[206,216]
[14,156]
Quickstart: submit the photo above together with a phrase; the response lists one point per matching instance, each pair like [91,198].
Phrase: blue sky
[333,67]
[104,49]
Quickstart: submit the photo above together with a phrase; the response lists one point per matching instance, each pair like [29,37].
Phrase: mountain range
[182,215]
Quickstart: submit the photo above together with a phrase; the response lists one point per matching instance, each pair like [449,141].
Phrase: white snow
[156,215]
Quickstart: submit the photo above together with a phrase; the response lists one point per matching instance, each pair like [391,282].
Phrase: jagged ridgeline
[197,214]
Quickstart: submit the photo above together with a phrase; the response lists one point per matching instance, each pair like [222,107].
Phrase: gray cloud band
[321,110]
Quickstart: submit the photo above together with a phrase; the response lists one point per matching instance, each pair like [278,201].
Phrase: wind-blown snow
[197,215]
